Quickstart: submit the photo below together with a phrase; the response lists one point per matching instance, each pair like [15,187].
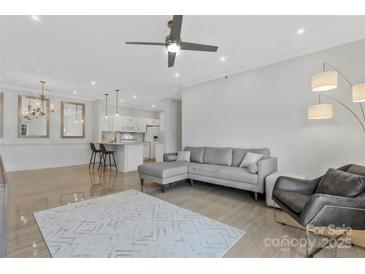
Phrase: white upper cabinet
[117,122]
[126,123]
[162,122]
[106,124]
[153,121]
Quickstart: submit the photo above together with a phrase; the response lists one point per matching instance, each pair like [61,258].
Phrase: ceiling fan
[173,41]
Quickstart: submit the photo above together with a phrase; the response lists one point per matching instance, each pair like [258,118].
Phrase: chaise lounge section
[216,165]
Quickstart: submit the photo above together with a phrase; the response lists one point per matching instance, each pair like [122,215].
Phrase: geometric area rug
[132,224]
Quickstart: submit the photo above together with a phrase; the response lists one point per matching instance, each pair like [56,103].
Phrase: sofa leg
[142,182]
[255,196]
[191,182]
[163,188]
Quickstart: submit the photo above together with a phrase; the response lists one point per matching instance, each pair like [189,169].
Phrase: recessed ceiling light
[74,92]
[177,74]
[153,106]
[300,31]
[93,83]
[134,96]
[121,100]
[223,58]
[35,18]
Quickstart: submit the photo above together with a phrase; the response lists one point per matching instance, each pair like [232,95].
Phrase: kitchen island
[128,155]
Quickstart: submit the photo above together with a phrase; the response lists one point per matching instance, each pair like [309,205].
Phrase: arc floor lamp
[328,80]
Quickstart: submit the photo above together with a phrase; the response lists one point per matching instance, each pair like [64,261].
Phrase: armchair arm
[294,184]
[169,157]
[324,210]
[264,168]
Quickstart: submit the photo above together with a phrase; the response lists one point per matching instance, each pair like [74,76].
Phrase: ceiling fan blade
[146,43]
[198,47]
[171,59]
[176,27]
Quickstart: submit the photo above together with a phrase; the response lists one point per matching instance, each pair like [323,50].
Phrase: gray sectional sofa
[216,165]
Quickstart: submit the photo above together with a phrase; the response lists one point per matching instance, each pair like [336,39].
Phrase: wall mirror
[33,120]
[72,120]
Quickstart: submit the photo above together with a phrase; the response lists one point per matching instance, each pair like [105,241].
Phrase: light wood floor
[36,190]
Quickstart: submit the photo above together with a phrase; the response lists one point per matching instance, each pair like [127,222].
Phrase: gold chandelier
[40,109]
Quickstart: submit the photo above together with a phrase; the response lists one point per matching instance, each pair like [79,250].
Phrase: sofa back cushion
[197,154]
[356,169]
[239,154]
[218,156]
[341,183]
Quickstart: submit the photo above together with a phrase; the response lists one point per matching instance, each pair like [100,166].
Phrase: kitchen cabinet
[117,122]
[140,125]
[126,123]
[106,124]
[162,122]
[146,150]
[159,151]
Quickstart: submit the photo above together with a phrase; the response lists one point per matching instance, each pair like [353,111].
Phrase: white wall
[34,153]
[172,125]
[267,107]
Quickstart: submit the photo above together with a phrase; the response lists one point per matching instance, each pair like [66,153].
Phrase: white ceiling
[71,51]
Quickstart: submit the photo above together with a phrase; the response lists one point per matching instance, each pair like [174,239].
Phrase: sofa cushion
[250,158]
[356,169]
[341,183]
[218,156]
[164,169]
[183,156]
[293,200]
[170,157]
[239,153]
[197,154]
[253,168]
[228,173]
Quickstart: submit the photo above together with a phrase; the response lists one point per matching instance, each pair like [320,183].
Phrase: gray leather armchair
[300,199]
[309,204]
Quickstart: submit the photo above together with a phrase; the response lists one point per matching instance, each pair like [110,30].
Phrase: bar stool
[104,154]
[93,154]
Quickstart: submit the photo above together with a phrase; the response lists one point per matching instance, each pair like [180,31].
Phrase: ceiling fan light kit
[173,47]
[328,80]
[173,42]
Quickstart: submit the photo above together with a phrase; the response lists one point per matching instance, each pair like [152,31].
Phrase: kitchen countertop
[123,143]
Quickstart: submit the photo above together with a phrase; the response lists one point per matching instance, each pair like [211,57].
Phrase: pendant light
[106,106]
[116,103]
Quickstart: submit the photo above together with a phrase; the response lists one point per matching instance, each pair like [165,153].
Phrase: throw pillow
[341,183]
[253,168]
[250,158]
[183,156]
